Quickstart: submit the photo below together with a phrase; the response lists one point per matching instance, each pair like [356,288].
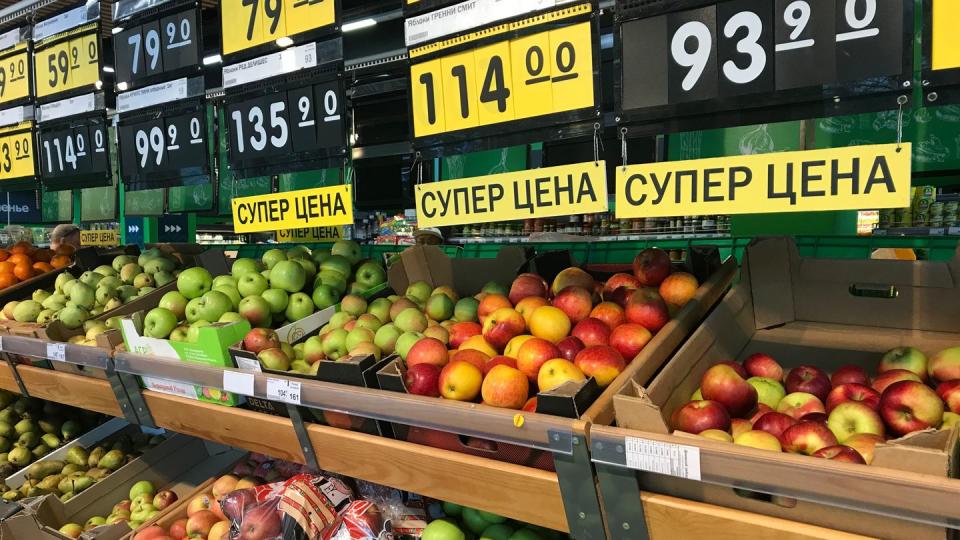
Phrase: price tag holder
[16,75]
[238,383]
[57,351]
[247,26]
[164,146]
[941,52]
[731,59]
[74,153]
[17,155]
[283,390]
[68,63]
[470,86]
[157,46]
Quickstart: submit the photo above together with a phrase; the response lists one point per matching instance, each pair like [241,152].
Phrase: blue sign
[20,207]
[134,230]
[172,228]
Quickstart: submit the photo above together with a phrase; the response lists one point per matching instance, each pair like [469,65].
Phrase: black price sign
[739,53]
[161,148]
[300,123]
[75,152]
[159,47]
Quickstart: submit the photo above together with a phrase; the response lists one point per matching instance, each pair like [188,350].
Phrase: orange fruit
[58,261]
[7,279]
[6,267]
[23,271]
[42,255]
[4,254]
[65,249]
[21,247]
[42,267]
[18,258]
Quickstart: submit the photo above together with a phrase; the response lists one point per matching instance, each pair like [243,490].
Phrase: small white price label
[238,382]
[283,390]
[248,364]
[57,351]
[677,460]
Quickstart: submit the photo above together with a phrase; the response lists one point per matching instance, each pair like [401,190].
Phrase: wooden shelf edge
[679,519]
[7,381]
[522,493]
[69,389]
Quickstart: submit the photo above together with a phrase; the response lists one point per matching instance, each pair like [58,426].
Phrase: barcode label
[57,351]
[676,460]
[248,364]
[283,390]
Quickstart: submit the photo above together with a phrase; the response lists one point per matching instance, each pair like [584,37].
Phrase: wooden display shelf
[66,388]
[679,519]
[7,382]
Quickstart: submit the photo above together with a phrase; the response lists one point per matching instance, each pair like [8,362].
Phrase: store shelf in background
[918,231]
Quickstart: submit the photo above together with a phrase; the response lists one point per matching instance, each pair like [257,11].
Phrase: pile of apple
[503,344]
[75,301]
[461,522]
[285,287]
[143,504]
[840,417]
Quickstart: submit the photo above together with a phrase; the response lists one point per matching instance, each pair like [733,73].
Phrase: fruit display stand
[907,492]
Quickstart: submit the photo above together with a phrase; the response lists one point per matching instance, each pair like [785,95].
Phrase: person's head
[428,237]
[65,234]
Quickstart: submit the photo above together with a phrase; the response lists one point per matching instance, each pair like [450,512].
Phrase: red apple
[569,347]
[697,416]
[460,381]
[840,452]
[774,423]
[906,358]
[949,392]
[864,444]
[505,387]
[853,392]
[736,367]
[499,361]
[629,339]
[163,499]
[610,313]
[260,339]
[721,383]
[760,440]
[501,326]
[807,438]
[428,350]
[647,309]
[945,365]
[591,332]
[740,425]
[761,410]
[852,417]
[601,362]
[178,529]
[818,417]
[909,406]
[809,379]
[679,288]
[491,303]
[799,404]
[473,356]
[619,280]
[527,285]
[423,380]
[651,266]
[887,378]
[621,295]
[533,354]
[576,302]
[572,277]
[850,374]
[462,331]
[763,365]
[199,524]
[530,405]
[261,522]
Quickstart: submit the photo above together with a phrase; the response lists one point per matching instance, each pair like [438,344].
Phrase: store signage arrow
[133,228]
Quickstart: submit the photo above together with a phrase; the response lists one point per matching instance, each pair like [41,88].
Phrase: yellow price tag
[249,23]
[106,238]
[851,178]
[537,75]
[68,64]
[945,39]
[310,235]
[16,152]
[15,76]
[319,207]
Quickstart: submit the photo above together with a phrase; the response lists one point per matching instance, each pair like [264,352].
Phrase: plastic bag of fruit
[304,507]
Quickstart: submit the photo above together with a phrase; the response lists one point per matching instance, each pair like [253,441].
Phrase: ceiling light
[117,29]
[108,69]
[357,25]
[284,42]
[121,86]
[210,60]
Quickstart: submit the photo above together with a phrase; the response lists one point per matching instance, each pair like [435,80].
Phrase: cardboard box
[184,464]
[826,313]
[466,276]
[210,348]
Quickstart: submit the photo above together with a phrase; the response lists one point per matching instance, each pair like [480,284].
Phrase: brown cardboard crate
[811,311]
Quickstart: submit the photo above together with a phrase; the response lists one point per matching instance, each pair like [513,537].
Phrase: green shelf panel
[196,198]
[148,202]
[57,206]
[501,160]
[309,179]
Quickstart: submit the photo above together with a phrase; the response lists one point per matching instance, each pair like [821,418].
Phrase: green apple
[299,306]
[358,336]
[466,309]
[129,272]
[209,307]
[27,311]
[252,284]
[231,292]
[159,322]
[331,279]
[256,310]
[492,287]
[298,350]
[769,391]
[274,359]
[140,488]
[309,267]
[300,366]
[320,255]
[288,275]
[148,254]
[335,343]
[194,282]
[348,249]
[230,317]
[419,291]
[113,323]
[179,333]
[224,280]
[175,302]
[442,529]
[411,320]
[339,319]
[370,274]
[298,252]
[120,261]
[526,534]
[497,531]
[159,264]
[245,266]
[337,264]
[386,337]
[162,278]
[405,342]
[277,298]
[272,256]
[368,321]
[312,349]
[193,334]
[324,296]
[381,308]
[440,307]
